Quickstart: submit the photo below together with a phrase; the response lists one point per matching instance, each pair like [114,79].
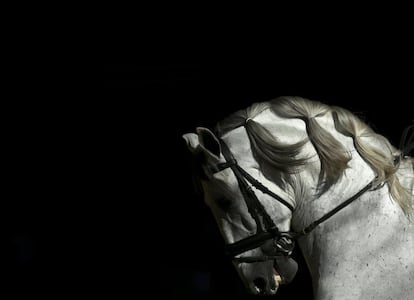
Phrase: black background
[97,196]
[100,188]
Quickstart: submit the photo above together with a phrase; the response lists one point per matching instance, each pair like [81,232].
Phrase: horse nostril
[260,283]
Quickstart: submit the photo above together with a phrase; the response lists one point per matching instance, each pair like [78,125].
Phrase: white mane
[287,159]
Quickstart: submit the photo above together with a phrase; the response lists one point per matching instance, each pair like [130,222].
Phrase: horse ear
[209,142]
[192,141]
[205,141]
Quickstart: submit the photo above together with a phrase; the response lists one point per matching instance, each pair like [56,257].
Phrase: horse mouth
[277,277]
[284,270]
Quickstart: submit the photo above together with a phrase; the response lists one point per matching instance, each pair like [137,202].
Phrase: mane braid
[267,150]
[271,154]
[332,155]
[377,152]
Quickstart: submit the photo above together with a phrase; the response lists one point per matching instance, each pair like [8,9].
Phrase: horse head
[255,228]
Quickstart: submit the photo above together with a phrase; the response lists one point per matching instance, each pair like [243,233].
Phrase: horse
[297,171]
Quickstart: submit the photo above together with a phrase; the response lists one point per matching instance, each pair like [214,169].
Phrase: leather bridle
[282,242]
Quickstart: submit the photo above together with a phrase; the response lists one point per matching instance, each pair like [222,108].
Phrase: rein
[329,214]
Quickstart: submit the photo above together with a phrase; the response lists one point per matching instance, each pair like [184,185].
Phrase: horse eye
[223,203]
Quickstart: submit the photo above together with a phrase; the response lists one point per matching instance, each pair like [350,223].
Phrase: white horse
[293,169]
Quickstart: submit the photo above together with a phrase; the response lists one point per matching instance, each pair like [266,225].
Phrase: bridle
[283,243]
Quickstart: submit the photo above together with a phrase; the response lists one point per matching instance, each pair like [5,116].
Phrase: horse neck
[370,234]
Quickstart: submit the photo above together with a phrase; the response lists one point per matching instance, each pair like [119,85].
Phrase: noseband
[283,243]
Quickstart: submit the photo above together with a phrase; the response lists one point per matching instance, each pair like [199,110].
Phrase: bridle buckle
[284,244]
